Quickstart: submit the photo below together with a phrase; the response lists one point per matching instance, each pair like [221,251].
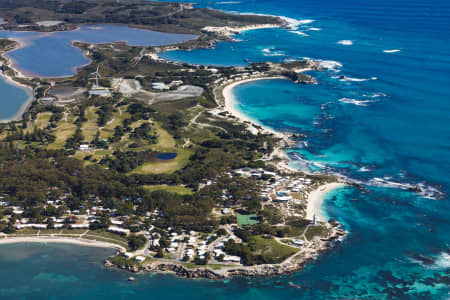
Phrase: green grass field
[118,117]
[243,220]
[65,129]
[314,231]
[271,249]
[170,166]
[177,189]
[41,120]
[166,143]
[90,127]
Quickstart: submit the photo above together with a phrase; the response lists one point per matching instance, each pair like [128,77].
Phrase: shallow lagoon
[52,54]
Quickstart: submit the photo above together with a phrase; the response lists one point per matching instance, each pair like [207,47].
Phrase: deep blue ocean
[380,115]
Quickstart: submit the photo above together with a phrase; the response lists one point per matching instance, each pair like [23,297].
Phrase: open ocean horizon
[379,115]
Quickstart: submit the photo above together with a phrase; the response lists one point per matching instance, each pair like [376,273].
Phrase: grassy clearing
[73,231]
[50,231]
[90,127]
[295,231]
[177,189]
[106,240]
[165,166]
[42,120]
[166,143]
[122,261]
[314,231]
[165,140]
[109,235]
[243,220]
[271,249]
[65,129]
[26,231]
[201,134]
[118,117]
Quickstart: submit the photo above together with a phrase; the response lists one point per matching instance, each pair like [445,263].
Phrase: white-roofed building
[119,230]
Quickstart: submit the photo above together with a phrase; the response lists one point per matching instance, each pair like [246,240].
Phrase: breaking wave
[356,101]
[299,32]
[345,42]
[270,52]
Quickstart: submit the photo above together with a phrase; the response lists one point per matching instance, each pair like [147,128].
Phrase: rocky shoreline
[290,265]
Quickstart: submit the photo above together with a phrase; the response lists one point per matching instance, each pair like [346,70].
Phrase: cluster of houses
[288,186]
[184,245]
[220,255]
[187,246]
[255,173]
[276,188]
[73,220]
[238,77]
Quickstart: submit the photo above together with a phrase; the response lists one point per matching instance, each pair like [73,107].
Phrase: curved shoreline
[27,103]
[254,126]
[230,101]
[316,199]
[62,240]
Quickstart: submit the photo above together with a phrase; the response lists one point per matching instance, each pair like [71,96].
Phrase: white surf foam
[314,29]
[345,42]
[443,261]
[319,165]
[353,79]
[299,32]
[375,95]
[229,2]
[306,21]
[381,182]
[429,192]
[356,101]
[267,50]
[329,64]
[392,51]
[280,53]
[294,24]
[270,52]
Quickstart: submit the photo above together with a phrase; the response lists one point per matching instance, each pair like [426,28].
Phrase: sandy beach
[24,107]
[315,200]
[64,240]
[254,127]
[9,80]
[229,101]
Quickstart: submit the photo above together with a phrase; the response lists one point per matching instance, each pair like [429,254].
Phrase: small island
[150,157]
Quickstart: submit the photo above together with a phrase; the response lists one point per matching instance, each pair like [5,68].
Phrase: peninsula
[150,157]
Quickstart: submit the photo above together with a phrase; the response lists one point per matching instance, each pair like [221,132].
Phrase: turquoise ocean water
[378,116]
